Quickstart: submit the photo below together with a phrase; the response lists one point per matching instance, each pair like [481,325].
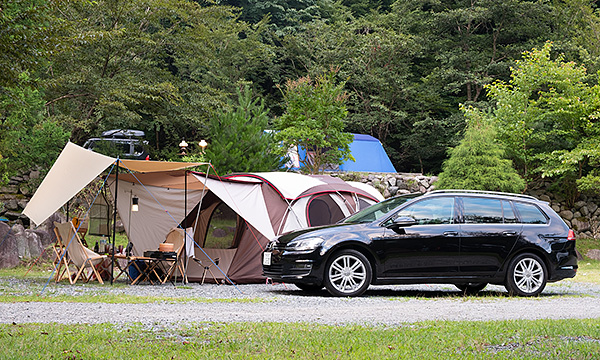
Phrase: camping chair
[207,268]
[175,236]
[61,263]
[82,257]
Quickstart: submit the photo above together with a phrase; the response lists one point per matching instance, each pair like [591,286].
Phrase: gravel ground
[381,305]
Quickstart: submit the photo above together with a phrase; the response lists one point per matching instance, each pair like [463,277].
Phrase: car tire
[347,273]
[471,288]
[309,288]
[527,275]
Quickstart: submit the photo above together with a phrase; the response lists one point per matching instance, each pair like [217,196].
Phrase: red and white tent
[233,217]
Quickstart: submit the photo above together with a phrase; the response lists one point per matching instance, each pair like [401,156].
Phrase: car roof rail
[529,197]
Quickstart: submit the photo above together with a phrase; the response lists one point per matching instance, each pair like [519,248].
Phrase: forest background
[415,74]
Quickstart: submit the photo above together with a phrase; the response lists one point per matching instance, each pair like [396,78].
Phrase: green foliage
[159,66]
[238,142]
[27,37]
[547,115]
[409,66]
[313,121]
[285,16]
[478,162]
[166,67]
[28,138]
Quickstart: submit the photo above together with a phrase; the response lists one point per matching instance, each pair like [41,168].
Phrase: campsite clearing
[280,322]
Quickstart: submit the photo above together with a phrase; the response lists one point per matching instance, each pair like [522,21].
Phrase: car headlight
[304,244]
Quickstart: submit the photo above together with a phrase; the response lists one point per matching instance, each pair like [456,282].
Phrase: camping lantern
[183,145]
[99,223]
[135,203]
[203,144]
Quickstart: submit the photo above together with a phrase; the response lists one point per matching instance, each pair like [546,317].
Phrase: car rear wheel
[471,288]
[527,275]
[348,273]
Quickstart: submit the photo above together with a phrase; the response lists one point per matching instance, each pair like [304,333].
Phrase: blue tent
[368,153]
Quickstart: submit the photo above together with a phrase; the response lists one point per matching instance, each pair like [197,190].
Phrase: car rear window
[530,214]
[482,211]
[488,211]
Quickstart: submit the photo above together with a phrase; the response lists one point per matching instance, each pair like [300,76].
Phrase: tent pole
[112,263]
[185,192]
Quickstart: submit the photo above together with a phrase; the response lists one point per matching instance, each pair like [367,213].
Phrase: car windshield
[377,211]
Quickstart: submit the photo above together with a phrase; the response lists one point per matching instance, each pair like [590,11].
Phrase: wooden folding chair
[80,256]
[61,260]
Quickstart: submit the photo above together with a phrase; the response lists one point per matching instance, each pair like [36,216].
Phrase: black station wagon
[466,238]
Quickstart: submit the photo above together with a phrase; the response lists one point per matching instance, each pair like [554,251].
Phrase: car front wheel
[527,275]
[348,273]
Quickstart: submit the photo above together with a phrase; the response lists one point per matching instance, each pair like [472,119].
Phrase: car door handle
[451,233]
[509,233]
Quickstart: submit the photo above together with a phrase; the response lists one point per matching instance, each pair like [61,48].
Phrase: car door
[489,230]
[429,248]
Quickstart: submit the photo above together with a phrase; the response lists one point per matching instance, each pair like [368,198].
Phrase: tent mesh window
[99,223]
[222,228]
[323,210]
[363,204]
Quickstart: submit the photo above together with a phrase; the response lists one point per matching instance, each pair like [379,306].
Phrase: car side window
[482,211]
[530,214]
[431,211]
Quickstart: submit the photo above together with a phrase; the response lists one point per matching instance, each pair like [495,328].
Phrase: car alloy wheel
[348,273]
[527,275]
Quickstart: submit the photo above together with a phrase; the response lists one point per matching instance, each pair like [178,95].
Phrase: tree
[27,37]
[28,138]
[408,69]
[547,115]
[238,141]
[159,66]
[314,121]
[478,162]
[285,16]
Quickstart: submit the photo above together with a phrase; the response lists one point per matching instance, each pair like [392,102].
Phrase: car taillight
[571,235]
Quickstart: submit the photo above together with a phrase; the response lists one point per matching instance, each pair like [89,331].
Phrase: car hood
[326,232]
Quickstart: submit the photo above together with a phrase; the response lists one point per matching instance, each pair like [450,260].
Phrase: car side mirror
[403,221]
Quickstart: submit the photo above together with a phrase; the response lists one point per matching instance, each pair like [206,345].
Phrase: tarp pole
[185,192]
[112,263]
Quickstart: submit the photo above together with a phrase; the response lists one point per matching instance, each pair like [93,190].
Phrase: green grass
[560,339]
[589,270]
[120,239]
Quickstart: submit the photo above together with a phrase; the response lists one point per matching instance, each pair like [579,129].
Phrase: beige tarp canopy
[74,169]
